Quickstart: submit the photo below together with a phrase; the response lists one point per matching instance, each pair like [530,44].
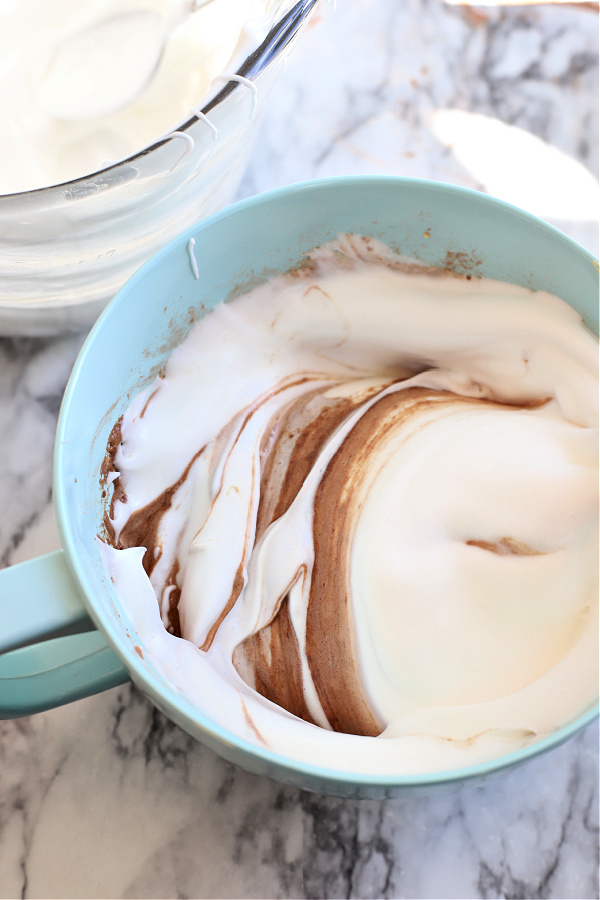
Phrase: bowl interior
[239,247]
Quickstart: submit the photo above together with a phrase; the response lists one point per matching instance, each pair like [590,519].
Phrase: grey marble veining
[107,798]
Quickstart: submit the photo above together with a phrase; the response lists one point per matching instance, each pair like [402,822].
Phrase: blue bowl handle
[50,651]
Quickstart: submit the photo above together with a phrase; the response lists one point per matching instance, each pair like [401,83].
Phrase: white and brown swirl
[382,518]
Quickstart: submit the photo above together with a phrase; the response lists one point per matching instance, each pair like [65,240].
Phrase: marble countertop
[107,798]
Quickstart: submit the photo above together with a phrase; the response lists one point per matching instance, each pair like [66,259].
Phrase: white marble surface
[106,798]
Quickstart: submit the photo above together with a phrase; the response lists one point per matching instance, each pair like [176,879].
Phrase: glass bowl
[66,249]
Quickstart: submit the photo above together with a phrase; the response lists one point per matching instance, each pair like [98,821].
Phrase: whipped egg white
[356,518]
[83,85]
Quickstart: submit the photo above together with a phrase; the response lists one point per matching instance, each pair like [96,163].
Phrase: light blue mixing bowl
[241,245]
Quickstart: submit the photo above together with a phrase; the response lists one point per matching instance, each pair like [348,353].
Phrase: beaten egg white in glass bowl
[120,124]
